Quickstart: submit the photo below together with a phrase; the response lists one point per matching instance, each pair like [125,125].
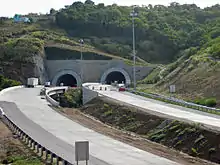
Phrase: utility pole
[81,58]
[133,14]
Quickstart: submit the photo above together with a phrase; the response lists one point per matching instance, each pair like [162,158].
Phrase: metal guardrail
[32,144]
[175,101]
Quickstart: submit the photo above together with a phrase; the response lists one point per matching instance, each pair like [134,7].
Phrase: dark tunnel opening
[67,80]
[115,76]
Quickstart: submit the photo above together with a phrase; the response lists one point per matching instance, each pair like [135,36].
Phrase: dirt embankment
[13,151]
[190,139]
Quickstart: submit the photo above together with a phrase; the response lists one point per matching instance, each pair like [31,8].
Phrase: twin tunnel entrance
[72,79]
[67,80]
[115,76]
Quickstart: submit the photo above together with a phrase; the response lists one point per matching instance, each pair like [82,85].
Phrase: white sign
[82,151]
[1,112]
[172,88]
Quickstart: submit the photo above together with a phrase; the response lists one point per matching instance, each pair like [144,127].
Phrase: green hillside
[161,32]
[183,39]
[196,74]
[21,44]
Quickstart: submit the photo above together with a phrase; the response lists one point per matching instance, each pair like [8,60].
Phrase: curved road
[59,134]
[162,109]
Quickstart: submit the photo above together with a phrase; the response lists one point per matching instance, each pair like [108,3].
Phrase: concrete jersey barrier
[10,89]
[50,99]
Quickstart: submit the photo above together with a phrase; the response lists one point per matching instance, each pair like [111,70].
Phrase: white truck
[32,82]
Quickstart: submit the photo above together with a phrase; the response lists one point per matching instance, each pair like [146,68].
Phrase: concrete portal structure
[56,79]
[94,71]
[113,70]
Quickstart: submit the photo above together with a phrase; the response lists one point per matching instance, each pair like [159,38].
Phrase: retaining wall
[88,95]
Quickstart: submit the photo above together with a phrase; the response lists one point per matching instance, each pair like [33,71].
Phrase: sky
[10,7]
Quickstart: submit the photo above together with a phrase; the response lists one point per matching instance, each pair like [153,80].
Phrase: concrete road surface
[41,136]
[59,133]
[165,110]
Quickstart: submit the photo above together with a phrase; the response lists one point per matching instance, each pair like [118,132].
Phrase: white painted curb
[10,89]
[2,92]
[2,113]
[15,87]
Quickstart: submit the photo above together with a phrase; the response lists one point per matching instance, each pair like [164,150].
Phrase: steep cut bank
[194,81]
[195,74]
[191,139]
[20,71]
[21,54]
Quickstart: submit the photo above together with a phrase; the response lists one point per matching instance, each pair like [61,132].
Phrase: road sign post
[172,88]
[82,151]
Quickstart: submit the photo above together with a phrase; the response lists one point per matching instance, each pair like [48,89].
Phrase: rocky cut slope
[21,55]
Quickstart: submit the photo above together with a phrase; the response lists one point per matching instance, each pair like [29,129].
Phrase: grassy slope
[195,73]
[194,82]
[49,35]
[195,78]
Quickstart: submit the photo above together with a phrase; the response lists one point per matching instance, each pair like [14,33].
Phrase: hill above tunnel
[183,38]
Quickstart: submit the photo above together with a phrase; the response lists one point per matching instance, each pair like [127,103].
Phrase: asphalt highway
[58,133]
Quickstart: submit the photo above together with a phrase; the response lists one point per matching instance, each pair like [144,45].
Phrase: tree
[31,20]
[170,29]
[101,5]
[89,2]
[77,4]
[52,11]
[3,19]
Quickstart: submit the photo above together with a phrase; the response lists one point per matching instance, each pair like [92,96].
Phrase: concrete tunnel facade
[116,74]
[102,71]
[71,78]
[68,77]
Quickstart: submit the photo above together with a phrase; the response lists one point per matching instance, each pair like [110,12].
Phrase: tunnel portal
[115,76]
[67,80]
